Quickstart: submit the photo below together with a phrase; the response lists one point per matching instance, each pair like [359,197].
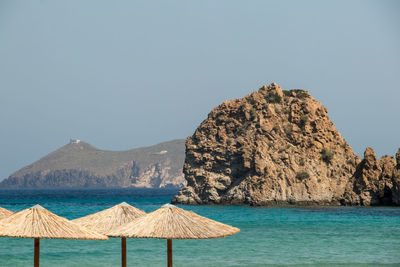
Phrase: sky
[126,74]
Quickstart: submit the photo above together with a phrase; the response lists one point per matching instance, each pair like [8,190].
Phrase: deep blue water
[277,236]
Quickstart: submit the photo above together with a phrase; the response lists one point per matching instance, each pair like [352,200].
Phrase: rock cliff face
[79,164]
[279,147]
[376,182]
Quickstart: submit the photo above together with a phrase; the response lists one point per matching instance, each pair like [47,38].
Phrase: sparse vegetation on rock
[274,98]
[327,155]
[303,121]
[301,175]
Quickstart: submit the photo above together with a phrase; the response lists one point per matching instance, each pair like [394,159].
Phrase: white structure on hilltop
[74,141]
[162,152]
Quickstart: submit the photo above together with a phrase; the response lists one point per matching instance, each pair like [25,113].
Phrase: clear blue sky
[124,74]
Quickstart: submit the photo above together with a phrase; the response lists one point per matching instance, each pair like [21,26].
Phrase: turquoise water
[335,236]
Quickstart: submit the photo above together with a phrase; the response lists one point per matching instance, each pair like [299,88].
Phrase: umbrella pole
[123,251]
[169,252]
[36,253]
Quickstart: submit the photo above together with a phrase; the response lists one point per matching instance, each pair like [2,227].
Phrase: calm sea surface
[336,236]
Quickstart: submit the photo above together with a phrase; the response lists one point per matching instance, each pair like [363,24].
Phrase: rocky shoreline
[277,146]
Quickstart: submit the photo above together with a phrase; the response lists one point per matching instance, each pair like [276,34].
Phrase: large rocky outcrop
[78,164]
[376,181]
[396,181]
[275,147]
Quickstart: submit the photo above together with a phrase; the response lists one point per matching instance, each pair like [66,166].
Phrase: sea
[269,236]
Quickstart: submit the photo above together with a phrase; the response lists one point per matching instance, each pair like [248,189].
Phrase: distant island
[278,146]
[81,165]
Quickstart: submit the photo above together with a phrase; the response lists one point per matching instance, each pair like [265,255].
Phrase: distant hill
[79,164]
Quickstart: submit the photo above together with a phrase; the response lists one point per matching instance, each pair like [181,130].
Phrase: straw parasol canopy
[170,222]
[105,220]
[4,213]
[37,222]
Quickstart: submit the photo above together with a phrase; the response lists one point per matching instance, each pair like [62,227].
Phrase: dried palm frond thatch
[171,222]
[106,220]
[37,222]
[4,213]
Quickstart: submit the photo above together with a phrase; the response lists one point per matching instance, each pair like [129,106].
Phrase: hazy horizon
[127,74]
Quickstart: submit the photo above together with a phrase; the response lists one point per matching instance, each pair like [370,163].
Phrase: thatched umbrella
[37,222]
[4,213]
[105,220]
[170,222]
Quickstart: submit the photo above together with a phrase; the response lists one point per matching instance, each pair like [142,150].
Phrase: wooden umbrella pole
[123,251]
[169,252]
[36,253]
